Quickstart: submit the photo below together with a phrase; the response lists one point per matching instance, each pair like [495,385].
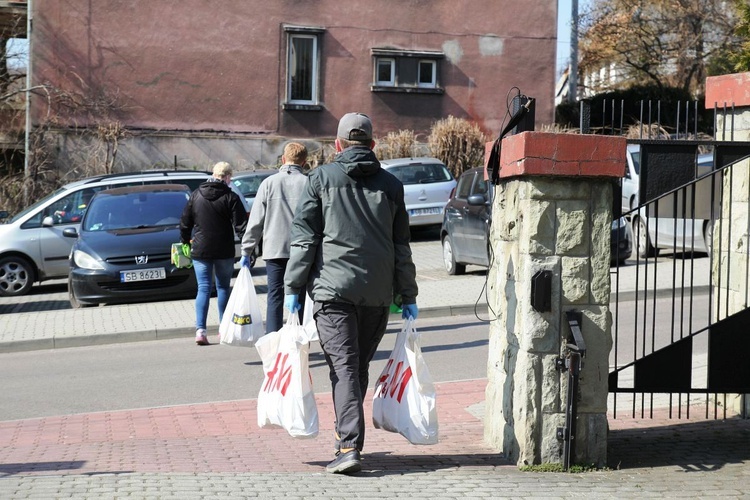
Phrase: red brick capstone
[543,153]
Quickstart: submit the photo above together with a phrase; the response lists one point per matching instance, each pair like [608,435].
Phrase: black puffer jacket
[211,218]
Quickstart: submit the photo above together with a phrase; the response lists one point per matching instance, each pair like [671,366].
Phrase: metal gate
[675,333]
[681,322]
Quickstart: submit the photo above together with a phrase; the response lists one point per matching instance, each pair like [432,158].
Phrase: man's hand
[409,311]
[291,302]
[245,262]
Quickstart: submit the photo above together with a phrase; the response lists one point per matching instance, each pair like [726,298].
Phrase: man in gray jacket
[350,249]
[271,219]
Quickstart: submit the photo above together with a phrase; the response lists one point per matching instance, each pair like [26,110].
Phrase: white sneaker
[200,337]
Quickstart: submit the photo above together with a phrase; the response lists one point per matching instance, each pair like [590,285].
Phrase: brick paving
[224,437]
[216,450]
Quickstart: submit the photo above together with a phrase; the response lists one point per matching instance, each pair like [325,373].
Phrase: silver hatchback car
[427,187]
[32,245]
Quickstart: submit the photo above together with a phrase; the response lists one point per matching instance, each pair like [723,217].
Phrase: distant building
[193,82]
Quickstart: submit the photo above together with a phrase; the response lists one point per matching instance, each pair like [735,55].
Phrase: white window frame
[408,61]
[392,80]
[307,33]
[433,81]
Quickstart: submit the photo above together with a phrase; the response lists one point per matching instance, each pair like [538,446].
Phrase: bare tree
[662,42]
[97,142]
[740,57]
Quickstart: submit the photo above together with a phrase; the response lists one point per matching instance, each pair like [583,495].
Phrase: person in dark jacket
[350,250]
[210,220]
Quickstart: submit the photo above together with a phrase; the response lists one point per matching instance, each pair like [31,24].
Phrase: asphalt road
[173,372]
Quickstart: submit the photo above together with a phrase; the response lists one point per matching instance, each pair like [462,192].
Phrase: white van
[32,245]
[675,234]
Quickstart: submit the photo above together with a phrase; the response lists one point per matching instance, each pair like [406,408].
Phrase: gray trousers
[349,336]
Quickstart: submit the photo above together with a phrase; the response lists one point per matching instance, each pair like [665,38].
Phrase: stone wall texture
[730,273]
[555,220]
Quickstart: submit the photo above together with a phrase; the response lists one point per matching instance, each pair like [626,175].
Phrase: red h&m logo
[389,382]
[279,378]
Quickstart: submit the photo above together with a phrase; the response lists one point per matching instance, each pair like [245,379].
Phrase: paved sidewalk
[216,450]
[48,326]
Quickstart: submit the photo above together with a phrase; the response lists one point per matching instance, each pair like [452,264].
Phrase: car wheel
[16,276]
[708,236]
[449,259]
[74,302]
[645,248]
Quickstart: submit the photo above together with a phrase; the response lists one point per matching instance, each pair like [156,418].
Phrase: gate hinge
[560,364]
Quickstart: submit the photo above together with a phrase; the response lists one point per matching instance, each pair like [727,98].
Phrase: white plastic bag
[242,323]
[286,397]
[405,398]
[308,322]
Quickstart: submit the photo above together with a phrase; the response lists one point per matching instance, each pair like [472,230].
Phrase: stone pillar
[552,211]
[733,91]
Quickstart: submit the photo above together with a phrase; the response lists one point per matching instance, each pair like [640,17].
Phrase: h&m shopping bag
[242,323]
[286,397]
[405,399]
[308,322]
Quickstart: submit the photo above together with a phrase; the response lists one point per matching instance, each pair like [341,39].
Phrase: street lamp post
[26,169]
[573,73]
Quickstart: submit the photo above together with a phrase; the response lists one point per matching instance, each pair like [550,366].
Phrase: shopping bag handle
[293,319]
[409,327]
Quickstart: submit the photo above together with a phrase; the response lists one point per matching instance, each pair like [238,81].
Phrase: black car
[466,225]
[122,253]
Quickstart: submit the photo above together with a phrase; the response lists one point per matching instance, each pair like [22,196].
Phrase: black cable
[494,180]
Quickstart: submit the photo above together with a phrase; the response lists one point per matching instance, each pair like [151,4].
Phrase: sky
[17,51]
[563,31]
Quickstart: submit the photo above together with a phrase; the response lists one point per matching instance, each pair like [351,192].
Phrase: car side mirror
[48,222]
[476,199]
[3,214]
[70,232]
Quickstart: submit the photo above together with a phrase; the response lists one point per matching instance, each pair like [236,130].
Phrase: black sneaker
[345,463]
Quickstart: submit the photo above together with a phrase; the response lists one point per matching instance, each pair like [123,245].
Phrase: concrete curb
[104,338]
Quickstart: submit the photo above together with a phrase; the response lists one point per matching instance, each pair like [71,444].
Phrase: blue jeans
[204,271]
[275,269]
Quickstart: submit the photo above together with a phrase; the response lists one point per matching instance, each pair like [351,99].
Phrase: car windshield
[249,185]
[135,210]
[421,174]
[36,205]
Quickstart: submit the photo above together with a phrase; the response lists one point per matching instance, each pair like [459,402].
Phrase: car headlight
[86,261]
[619,223]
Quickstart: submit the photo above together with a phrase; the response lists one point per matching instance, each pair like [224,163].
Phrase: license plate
[157,273]
[426,211]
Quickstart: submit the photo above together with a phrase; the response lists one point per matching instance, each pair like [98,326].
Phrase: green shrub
[627,104]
